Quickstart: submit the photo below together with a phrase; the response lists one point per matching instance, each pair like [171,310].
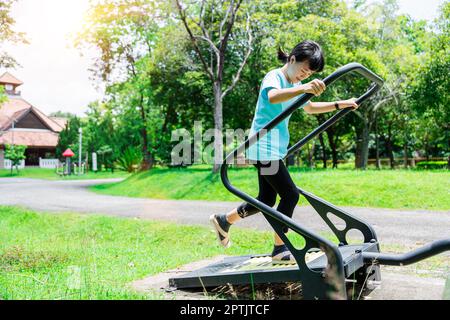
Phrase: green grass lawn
[400,189]
[72,256]
[49,174]
[44,256]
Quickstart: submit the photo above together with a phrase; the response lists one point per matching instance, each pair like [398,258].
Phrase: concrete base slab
[395,285]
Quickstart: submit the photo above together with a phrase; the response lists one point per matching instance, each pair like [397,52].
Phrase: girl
[278,91]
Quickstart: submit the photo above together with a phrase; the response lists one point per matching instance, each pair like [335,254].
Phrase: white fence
[43,163]
[48,163]
[8,164]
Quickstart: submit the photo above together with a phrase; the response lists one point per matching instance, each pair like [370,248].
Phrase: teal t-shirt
[275,144]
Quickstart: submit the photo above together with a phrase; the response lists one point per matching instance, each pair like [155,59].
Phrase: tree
[62,114]
[7,34]
[179,89]
[2,95]
[68,137]
[429,94]
[15,153]
[397,62]
[123,32]
[213,27]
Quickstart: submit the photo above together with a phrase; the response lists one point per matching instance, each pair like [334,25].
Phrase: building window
[9,87]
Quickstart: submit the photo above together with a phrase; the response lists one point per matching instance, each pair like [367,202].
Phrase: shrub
[130,159]
[432,165]
[15,153]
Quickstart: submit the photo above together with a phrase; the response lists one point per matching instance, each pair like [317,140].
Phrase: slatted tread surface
[265,263]
[260,269]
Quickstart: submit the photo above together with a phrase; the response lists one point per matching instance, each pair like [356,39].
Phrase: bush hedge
[432,165]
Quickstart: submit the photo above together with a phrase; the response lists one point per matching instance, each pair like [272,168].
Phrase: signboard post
[94,162]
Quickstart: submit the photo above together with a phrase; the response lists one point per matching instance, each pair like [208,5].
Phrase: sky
[56,77]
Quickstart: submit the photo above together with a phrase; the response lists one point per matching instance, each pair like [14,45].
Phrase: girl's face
[298,71]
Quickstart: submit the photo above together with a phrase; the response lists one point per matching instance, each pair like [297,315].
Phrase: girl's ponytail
[282,56]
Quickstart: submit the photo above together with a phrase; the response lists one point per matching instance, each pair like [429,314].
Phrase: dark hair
[305,51]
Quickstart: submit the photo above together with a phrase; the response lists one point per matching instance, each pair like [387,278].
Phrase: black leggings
[273,179]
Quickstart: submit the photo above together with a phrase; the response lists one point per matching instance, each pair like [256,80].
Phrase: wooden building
[21,123]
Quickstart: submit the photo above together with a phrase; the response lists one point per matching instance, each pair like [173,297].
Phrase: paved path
[403,227]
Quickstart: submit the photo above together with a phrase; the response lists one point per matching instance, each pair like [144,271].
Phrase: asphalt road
[402,227]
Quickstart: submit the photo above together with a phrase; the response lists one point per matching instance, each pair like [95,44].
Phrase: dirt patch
[159,284]
[20,258]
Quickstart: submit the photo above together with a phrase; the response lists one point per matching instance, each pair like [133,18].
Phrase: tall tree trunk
[311,154]
[324,150]
[377,144]
[405,153]
[427,147]
[362,147]
[146,156]
[218,126]
[332,139]
[389,149]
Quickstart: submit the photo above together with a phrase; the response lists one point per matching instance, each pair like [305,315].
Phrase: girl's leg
[270,183]
[282,183]
[233,216]
[222,223]
[266,195]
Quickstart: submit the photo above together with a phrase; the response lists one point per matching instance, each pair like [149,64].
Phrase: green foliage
[123,31]
[2,95]
[429,94]
[15,153]
[432,165]
[69,137]
[7,34]
[106,157]
[129,160]
[62,114]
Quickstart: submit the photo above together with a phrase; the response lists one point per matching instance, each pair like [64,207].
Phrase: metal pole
[408,258]
[80,131]
[13,127]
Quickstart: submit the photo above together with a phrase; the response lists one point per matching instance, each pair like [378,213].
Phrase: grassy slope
[383,189]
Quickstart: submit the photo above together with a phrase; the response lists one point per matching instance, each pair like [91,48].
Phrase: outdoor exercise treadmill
[322,267]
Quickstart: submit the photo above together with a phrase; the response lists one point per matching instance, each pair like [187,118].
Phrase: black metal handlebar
[417,255]
[351,67]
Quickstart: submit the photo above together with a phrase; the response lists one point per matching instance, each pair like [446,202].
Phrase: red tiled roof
[30,138]
[16,106]
[8,78]
[62,122]
[11,107]
[49,121]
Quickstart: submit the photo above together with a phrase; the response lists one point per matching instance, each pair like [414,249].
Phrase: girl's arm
[323,107]
[316,87]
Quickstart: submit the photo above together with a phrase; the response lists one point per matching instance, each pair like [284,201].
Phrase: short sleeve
[271,81]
